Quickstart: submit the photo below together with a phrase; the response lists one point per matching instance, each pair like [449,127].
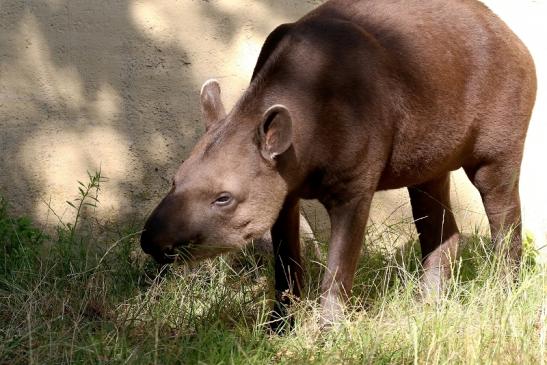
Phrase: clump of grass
[87,295]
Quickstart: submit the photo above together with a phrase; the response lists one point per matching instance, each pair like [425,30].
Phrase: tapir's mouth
[187,251]
[164,258]
[180,252]
[173,255]
[195,250]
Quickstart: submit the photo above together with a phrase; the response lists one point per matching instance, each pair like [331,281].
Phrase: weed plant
[85,294]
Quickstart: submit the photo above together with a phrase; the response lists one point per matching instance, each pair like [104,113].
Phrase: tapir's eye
[223,199]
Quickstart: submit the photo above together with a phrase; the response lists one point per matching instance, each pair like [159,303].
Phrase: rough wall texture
[114,85]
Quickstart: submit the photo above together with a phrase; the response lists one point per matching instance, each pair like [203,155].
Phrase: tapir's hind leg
[439,235]
[498,184]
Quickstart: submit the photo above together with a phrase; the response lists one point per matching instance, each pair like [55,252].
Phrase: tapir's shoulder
[269,46]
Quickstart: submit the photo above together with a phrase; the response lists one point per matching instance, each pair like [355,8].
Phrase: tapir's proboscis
[355,97]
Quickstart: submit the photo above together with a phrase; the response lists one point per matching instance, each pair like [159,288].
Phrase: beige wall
[114,84]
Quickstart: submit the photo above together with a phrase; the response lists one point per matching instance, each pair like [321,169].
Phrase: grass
[85,294]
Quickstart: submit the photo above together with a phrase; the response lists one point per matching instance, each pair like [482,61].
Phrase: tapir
[355,97]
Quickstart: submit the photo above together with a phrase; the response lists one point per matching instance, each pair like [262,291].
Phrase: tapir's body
[355,97]
[402,90]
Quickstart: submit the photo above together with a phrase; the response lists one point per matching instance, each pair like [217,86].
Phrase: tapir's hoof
[281,322]
[331,324]
[332,312]
[433,284]
[281,326]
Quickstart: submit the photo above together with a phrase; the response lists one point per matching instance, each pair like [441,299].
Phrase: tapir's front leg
[348,222]
[288,263]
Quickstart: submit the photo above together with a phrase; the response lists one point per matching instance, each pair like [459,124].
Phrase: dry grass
[89,296]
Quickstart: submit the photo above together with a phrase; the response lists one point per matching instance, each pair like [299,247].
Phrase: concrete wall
[88,84]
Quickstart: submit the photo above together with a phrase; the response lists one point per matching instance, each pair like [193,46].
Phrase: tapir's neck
[336,117]
[306,155]
[294,165]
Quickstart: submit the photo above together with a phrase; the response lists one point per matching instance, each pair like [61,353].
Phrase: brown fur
[368,95]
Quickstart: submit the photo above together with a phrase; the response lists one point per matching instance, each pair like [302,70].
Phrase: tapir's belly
[418,156]
[395,179]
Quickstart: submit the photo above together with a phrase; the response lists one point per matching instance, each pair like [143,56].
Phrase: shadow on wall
[114,85]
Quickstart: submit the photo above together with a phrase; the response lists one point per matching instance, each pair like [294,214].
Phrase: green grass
[85,294]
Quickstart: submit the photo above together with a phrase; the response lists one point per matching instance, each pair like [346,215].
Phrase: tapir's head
[229,190]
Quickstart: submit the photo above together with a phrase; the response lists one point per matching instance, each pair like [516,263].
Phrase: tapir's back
[466,83]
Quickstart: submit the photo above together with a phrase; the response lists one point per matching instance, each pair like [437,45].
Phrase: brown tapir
[355,97]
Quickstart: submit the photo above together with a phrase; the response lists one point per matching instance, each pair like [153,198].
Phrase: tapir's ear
[275,132]
[211,104]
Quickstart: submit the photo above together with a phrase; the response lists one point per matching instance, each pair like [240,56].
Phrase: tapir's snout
[163,254]
[146,244]
[159,236]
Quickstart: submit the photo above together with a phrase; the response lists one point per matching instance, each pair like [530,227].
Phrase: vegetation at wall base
[86,294]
